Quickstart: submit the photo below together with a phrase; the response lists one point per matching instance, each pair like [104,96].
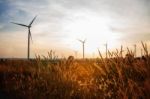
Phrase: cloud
[129,17]
[1,26]
[125,12]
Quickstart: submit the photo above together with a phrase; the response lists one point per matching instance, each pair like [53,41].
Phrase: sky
[60,23]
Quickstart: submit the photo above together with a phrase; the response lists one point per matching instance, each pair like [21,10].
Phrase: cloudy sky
[60,23]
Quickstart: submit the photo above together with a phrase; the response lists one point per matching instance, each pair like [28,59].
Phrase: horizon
[60,23]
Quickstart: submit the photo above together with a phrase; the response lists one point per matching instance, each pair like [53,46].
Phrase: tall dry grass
[47,77]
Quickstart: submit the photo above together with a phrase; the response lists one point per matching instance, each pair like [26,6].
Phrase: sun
[94,28]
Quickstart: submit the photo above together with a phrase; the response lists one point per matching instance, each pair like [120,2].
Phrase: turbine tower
[29,35]
[121,51]
[83,42]
[134,50]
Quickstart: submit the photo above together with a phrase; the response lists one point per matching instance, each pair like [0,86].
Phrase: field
[51,78]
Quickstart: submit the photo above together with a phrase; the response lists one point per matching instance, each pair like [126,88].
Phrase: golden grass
[49,78]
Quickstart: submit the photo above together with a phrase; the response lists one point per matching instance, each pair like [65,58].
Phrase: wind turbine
[29,34]
[106,45]
[76,53]
[83,42]
[121,51]
[134,50]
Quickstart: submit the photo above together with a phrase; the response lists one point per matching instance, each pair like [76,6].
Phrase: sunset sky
[60,23]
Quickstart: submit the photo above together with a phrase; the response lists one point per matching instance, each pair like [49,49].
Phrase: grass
[50,78]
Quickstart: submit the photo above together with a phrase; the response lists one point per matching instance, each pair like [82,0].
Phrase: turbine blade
[19,24]
[32,21]
[30,36]
[80,40]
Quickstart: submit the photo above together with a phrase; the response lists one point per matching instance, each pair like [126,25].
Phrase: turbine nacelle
[82,41]
[29,26]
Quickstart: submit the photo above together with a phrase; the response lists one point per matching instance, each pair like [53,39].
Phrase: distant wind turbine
[121,51]
[29,34]
[106,45]
[83,42]
[134,50]
[76,53]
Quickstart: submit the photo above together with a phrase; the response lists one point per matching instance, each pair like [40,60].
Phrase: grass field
[48,78]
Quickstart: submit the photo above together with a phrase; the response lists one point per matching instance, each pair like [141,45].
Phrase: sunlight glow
[94,29]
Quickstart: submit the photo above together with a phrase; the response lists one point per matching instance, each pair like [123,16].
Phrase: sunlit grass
[49,77]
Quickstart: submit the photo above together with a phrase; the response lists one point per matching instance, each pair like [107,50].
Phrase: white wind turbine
[83,42]
[29,34]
